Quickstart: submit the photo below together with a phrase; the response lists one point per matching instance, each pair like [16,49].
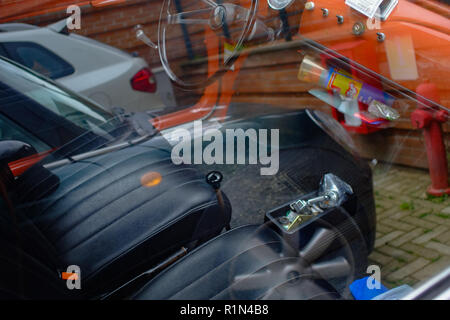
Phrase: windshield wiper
[97,152]
[139,122]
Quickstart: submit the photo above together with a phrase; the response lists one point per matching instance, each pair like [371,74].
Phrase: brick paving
[413,231]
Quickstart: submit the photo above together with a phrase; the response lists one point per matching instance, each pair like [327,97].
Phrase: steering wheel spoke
[318,244]
[210,3]
[336,268]
[190,17]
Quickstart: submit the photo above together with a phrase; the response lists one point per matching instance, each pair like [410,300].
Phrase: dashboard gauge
[279,4]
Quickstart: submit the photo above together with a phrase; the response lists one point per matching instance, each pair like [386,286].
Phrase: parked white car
[105,74]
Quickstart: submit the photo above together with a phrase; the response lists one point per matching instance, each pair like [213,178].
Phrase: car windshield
[306,154]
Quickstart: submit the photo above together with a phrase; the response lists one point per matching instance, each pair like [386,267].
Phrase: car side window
[11,131]
[38,58]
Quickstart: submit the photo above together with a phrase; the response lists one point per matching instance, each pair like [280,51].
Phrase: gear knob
[214,178]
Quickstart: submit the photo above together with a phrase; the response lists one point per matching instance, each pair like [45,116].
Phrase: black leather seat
[250,262]
[101,218]
[84,222]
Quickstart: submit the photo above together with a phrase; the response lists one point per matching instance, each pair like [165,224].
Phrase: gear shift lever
[214,179]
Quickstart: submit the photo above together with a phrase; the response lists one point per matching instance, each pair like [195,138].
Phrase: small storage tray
[294,237]
[276,213]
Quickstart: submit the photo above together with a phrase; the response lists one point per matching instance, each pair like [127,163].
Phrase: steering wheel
[222,19]
[326,261]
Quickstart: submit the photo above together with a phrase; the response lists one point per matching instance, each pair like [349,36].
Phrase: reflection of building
[270,74]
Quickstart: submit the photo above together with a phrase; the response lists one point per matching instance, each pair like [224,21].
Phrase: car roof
[57,28]
[10,27]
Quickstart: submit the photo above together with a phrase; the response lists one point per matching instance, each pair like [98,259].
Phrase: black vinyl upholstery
[223,268]
[102,219]
[96,214]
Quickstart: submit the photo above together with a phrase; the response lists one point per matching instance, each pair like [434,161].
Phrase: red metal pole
[429,119]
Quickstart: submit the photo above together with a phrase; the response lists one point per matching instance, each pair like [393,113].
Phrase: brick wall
[264,78]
